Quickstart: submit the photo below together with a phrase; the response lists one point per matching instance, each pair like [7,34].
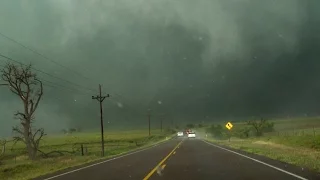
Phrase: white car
[191,135]
[180,134]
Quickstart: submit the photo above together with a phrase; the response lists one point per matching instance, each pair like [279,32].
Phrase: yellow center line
[161,162]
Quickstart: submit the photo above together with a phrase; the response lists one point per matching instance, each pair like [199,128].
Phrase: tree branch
[36,140]
[10,74]
[22,115]
[39,96]
[17,130]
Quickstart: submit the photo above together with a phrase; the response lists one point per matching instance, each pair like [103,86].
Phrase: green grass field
[15,164]
[295,141]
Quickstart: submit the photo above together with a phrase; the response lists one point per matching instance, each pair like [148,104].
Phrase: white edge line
[284,171]
[108,160]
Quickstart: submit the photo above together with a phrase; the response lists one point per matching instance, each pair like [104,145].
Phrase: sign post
[229,127]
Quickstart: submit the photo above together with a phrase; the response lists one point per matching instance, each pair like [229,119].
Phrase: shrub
[245,132]
[268,127]
[217,131]
[261,126]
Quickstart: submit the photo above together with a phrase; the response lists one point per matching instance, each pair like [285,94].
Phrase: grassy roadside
[294,140]
[18,167]
[295,153]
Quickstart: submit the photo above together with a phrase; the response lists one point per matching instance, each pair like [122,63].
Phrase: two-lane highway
[189,159]
[197,159]
[132,166]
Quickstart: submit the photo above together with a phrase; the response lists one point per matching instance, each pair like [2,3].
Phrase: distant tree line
[71,130]
[254,128]
[191,126]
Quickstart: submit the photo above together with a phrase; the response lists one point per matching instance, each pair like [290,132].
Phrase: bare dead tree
[24,83]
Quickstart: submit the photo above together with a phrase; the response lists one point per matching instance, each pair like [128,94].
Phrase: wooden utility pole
[100,98]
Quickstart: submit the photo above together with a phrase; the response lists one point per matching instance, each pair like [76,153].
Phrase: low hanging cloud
[201,58]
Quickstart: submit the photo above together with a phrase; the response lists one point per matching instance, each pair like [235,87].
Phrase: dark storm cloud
[198,58]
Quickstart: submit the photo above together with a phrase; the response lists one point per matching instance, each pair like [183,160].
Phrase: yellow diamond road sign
[229,125]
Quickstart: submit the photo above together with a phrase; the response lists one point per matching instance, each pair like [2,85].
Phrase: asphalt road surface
[187,159]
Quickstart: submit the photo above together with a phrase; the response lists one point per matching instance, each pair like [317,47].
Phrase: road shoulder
[306,173]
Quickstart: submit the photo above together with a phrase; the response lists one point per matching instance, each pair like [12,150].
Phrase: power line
[120,98]
[51,60]
[126,106]
[10,59]
[54,85]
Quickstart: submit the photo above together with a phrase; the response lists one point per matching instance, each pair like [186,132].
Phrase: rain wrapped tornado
[190,60]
